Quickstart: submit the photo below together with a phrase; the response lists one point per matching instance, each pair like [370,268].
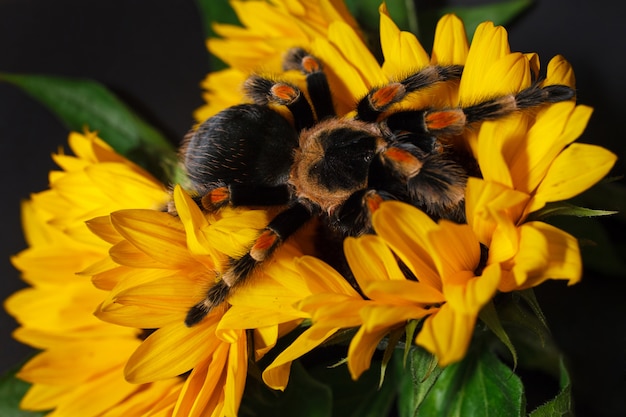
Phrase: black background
[152,54]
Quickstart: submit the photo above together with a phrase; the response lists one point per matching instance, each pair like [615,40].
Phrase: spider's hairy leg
[433,183]
[316,81]
[285,224]
[238,195]
[378,100]
[453,121]
[354,216]
[264,92]
[533,96]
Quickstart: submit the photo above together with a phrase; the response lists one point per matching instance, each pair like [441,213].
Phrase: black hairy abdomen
[247,144]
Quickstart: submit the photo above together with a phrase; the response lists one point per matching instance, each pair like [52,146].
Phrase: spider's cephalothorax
[336,168]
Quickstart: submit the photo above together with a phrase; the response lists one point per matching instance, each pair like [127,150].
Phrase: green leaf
[528,332]
[419,376]
[490,317]
[85,104]
[561,405]
[479,385]
[390,349]
[567,209]
[12,390]
[363,397]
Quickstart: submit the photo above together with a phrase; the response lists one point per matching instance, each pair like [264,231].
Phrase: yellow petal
[496,141]
[172,350]
[399,48]
[345,81]
[322,278]
[447,334]
[202,391]
[370,259]
[80,401]
[562,123]
[546,252]
[357,53]
[402,292]
[361,350]
[560,72]
[126,187]
[159,235]
[456,248]
[575,170]
[470,294]
[76,362]
[484,200]
[450,46]
[102,227]
[489,45]
[235,376]
[277,373]
[404,228]
[33,225]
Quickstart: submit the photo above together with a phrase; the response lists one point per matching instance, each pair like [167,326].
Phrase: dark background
[152,54]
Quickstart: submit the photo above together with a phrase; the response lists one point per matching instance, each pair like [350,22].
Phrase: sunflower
[525,160]
[150,259]
[267,31]
[79,353]
[161,265]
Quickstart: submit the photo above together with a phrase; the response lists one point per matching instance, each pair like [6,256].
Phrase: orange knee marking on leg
[403,161]
[284,92]
[219,195]
[310,65]
[214,199]
[263,244]
[387,95]
[373,201]
[444,119]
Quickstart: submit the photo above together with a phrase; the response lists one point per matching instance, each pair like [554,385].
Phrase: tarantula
[337,169]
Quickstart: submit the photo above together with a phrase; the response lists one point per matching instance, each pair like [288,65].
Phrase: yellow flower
[269,30]
[455,278]
[160,266]
[79,353]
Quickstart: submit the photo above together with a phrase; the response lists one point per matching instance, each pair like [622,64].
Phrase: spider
[337,169]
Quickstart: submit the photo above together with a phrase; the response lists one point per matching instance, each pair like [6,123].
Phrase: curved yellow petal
[456,249]
[546,252]
[370,259]
[450,46]
[356,52]
[484,199]
[328,280]
[159,235]
[563,123]
[361,350]
[276,374]
[447,334]
[399,48]
[576,169]
[470,293]
[489,45]
[560,72]
[404,228]
[403,292]
[172,350]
